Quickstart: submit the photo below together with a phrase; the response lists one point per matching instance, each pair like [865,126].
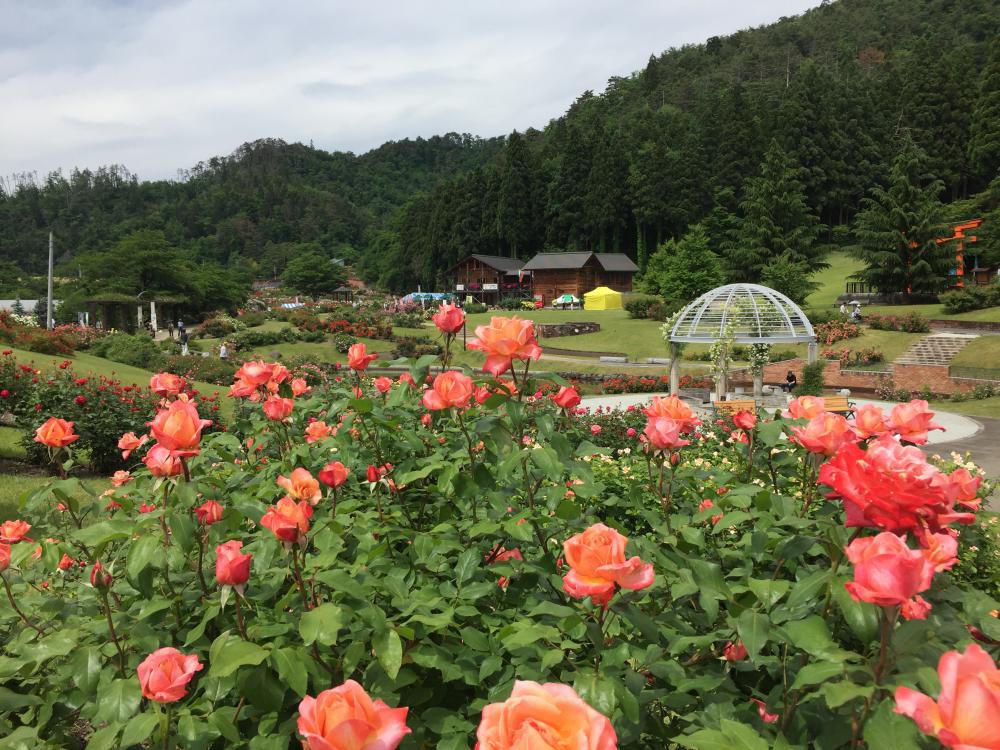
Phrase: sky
[159,85]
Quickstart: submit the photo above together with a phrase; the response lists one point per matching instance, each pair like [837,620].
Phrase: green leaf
[525,633]
[807,589]
[753,628]
[100,534]
[743,737]
[11,701]
[709,578]
[839,693]
[813,674]
[138,729]
[86,668]
[182,530]
[119,701]
[230,652]
[291,668]
[887,730]
[104,739]
[321,624]
[861,617]
[389,651]
[141,554]
[466,566]
[705,739]
[768,592]
[813,636]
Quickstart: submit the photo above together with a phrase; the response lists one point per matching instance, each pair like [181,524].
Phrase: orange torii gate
[959,235]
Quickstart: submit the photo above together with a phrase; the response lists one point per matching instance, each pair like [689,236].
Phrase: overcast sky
[159,85]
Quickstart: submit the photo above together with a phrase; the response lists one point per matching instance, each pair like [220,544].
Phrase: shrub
[412,347]
[138,350]
[343,341]
[45,342]
[909,323]
[252,319]
[971,298]
[305,320]
[413,319]
[637,305]
[220,325]
[885,389]
[812,380]
[474,308]
[206,369]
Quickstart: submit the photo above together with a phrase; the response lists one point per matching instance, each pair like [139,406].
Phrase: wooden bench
[838,404]
[733,407]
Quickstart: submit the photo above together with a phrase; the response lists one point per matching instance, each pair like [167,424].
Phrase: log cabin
[489,278]
[576,273]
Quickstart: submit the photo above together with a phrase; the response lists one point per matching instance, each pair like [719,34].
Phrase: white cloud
[159,86]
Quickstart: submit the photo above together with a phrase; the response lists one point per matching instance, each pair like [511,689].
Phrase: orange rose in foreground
[178,428]
[165,673]
[358,357]
[277,408]
[805,407]
[162,463]
[4,556]
[209,512]
[449,318]
[166,384]
[504,340]
[965,712]
[869,421]
[317,431]
[12,532]
[346,718]
[566,398]
[597,564]
[334,474]
[912,421]
[299,386]
[672,408]
[544,717]
[450,389]
[887,573]
[824,434]
[664,433]
[382,384]
[255,373]
[301,485]
[288,520]
[56,433]
[232,567]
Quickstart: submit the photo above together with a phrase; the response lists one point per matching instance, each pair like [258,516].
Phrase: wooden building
[576,273]
[489,278]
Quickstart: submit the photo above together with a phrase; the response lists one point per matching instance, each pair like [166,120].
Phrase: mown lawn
[832,281]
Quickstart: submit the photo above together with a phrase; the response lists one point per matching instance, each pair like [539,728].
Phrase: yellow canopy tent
[602,298]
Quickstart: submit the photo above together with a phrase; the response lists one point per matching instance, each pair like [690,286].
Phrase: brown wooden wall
[578,281]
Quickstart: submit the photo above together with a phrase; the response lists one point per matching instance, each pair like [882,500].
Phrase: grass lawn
[981,352]
[987,407]
[831,281]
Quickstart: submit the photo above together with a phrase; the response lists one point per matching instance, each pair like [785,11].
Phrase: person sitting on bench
[790,382]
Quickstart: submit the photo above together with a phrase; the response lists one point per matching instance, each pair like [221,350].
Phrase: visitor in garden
[184,343]
[790,382]
[843,308]
[223,351]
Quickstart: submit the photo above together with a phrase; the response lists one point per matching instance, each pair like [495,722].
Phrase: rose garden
[462,559]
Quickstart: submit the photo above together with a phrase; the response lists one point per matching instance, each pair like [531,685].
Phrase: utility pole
[48,301]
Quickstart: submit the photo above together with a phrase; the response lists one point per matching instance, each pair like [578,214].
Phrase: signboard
[459,287]
[490,287]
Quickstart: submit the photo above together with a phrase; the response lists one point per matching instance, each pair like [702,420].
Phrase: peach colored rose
[334,474]
[301,485]
[346,718]
[288,520]
[664,433]
[165,674]
[232,567]
[12,532]
[209,512]
[56,433]
[805,407]
[673,408]
[745,420]
[504,340]
[167,384]
[299,386]
[941,550]
[407,379]
[161,462]
[120,478]
[277,408]
[178,428]
[4,556]
[597,564]
[242,388]
[566,398]
[450,389]
[382,384]
[449,319]
[912,421]
[317,431]
[358,357]
[869,421]
[963,488]
[824,434]
[129,442]
[279,374]
[965,713]
[886,571]
[544,717]
[255,374]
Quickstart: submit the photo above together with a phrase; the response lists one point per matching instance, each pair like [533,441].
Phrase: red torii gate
[959,235]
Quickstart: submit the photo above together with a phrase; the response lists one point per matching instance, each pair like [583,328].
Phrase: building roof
[499,262]
[572,260]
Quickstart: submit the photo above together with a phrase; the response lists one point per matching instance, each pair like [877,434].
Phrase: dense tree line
[775,140]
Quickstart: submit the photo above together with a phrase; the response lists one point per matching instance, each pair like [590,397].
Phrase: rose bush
[440,592]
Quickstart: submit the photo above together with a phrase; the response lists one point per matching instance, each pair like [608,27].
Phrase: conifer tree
[516,199]
[898,226]
[984,143]
[681,270]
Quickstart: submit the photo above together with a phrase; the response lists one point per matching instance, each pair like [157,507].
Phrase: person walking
[223,351]
[843,309]
[184,343]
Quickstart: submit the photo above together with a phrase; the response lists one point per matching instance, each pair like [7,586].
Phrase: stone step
[937,349]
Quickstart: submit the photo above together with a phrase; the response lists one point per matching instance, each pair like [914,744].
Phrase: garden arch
[742,314]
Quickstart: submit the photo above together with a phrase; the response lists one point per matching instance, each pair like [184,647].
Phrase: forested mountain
[770,138]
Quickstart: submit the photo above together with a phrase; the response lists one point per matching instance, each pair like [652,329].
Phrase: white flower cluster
[28,321]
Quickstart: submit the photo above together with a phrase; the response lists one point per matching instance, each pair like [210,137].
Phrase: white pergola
[757,314]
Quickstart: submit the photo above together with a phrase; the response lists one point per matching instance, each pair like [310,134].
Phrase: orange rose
[824,434]
[209,512]
[544,717]
[4,556]
[346,718]
[165,673]
[166,384]
[232,567]
[255,374]
[673,408]
[300,386]
[301,485]
[120,478]
[805,407]
[597,564]
[663,433]
[504,340]
[178,428]
[287,519]
[566,398]
[912,421]
[963,488]
[448,318]
[277,408]
[162,463]
[12,532]
[317,431]
[450,389]
[334,474]
[129,442]
[965,712]
[358,357]
[56,433]
[382,384]
[242,388]
[869,421]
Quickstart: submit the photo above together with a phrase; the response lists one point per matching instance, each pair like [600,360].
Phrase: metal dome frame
[766,316]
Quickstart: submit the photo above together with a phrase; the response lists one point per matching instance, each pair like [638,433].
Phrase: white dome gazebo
[752,313]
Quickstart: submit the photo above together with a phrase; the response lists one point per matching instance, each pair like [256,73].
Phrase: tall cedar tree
[984,144]
[517,206]
[898,226]
[776,220]
[681,270]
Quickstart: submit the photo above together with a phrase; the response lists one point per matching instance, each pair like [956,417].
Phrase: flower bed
[440,560]
[910,323]
[836,330]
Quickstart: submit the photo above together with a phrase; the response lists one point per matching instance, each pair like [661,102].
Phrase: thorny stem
[202,538]
[298,579]
[187,470]
[239,618]
[10,597]
[114,635]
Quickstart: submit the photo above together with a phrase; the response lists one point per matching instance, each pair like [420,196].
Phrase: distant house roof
[557,261]
[499,262]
